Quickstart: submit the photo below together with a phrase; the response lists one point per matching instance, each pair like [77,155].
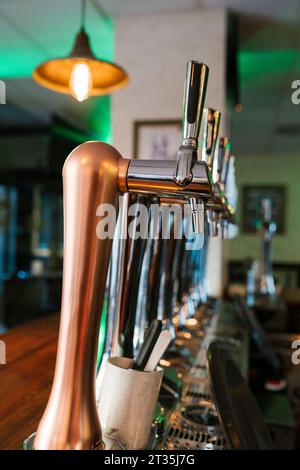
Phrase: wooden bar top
[26,379]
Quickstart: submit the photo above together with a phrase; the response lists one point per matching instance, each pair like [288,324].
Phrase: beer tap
[158,301]
[225,165]
[218,216]
[267,231]
[196,260]
[187,156]
[94,176]
[223,145]
[210,138]
[225,213]
[193,103]
[185,173]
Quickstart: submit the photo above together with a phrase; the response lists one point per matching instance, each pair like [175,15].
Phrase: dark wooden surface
[26,378]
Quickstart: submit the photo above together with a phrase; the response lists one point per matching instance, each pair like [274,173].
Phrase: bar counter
[26,379]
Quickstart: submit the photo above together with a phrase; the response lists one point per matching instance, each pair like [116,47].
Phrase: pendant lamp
[81,74]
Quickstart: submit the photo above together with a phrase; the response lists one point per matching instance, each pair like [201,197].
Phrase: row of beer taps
[125,283]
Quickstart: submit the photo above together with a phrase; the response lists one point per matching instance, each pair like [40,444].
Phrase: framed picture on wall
[157,140]
[252,206]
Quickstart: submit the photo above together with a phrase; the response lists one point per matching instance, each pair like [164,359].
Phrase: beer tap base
[28,443]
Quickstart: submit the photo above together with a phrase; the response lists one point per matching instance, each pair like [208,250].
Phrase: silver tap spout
[193,103]
[225,166]
[212,218]
[198,214]
[267,231]
[226,213]
[210,137]
[223,143]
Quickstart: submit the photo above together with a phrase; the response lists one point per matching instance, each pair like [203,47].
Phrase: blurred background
[253,50]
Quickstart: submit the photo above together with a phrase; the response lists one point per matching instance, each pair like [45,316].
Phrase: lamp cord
[83,14]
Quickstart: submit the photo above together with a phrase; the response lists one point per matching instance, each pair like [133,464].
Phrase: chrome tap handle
[225,166]
[210,137]
[212,219]
[221,153]
[194,96]
[193,103]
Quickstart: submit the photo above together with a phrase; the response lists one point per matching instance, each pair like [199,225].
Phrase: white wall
[154,50]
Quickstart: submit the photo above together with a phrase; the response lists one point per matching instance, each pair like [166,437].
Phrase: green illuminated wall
[264,68]
[267,65]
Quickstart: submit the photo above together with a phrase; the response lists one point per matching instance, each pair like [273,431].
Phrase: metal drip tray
[203,414]
[182,437]
[194,427]
[195,394]
[194,424]
[186,443]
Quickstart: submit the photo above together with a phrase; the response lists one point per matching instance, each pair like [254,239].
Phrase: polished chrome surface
[225,165]
[198,211]
[223,143]
[210,137]
[156,177]
[116,276]
[209,143]
[212,218]
[193,103]
[267,231]
[135,251]
[219,210]
[183,434]
[70,421]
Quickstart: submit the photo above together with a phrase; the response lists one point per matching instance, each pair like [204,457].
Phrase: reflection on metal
[267,231]
[194,96]
[115,279]
[210,138]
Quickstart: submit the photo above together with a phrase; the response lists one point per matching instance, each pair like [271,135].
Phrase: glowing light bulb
[81,81]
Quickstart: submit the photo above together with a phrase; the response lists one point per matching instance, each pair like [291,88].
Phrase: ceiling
[269,60]
[281,9]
